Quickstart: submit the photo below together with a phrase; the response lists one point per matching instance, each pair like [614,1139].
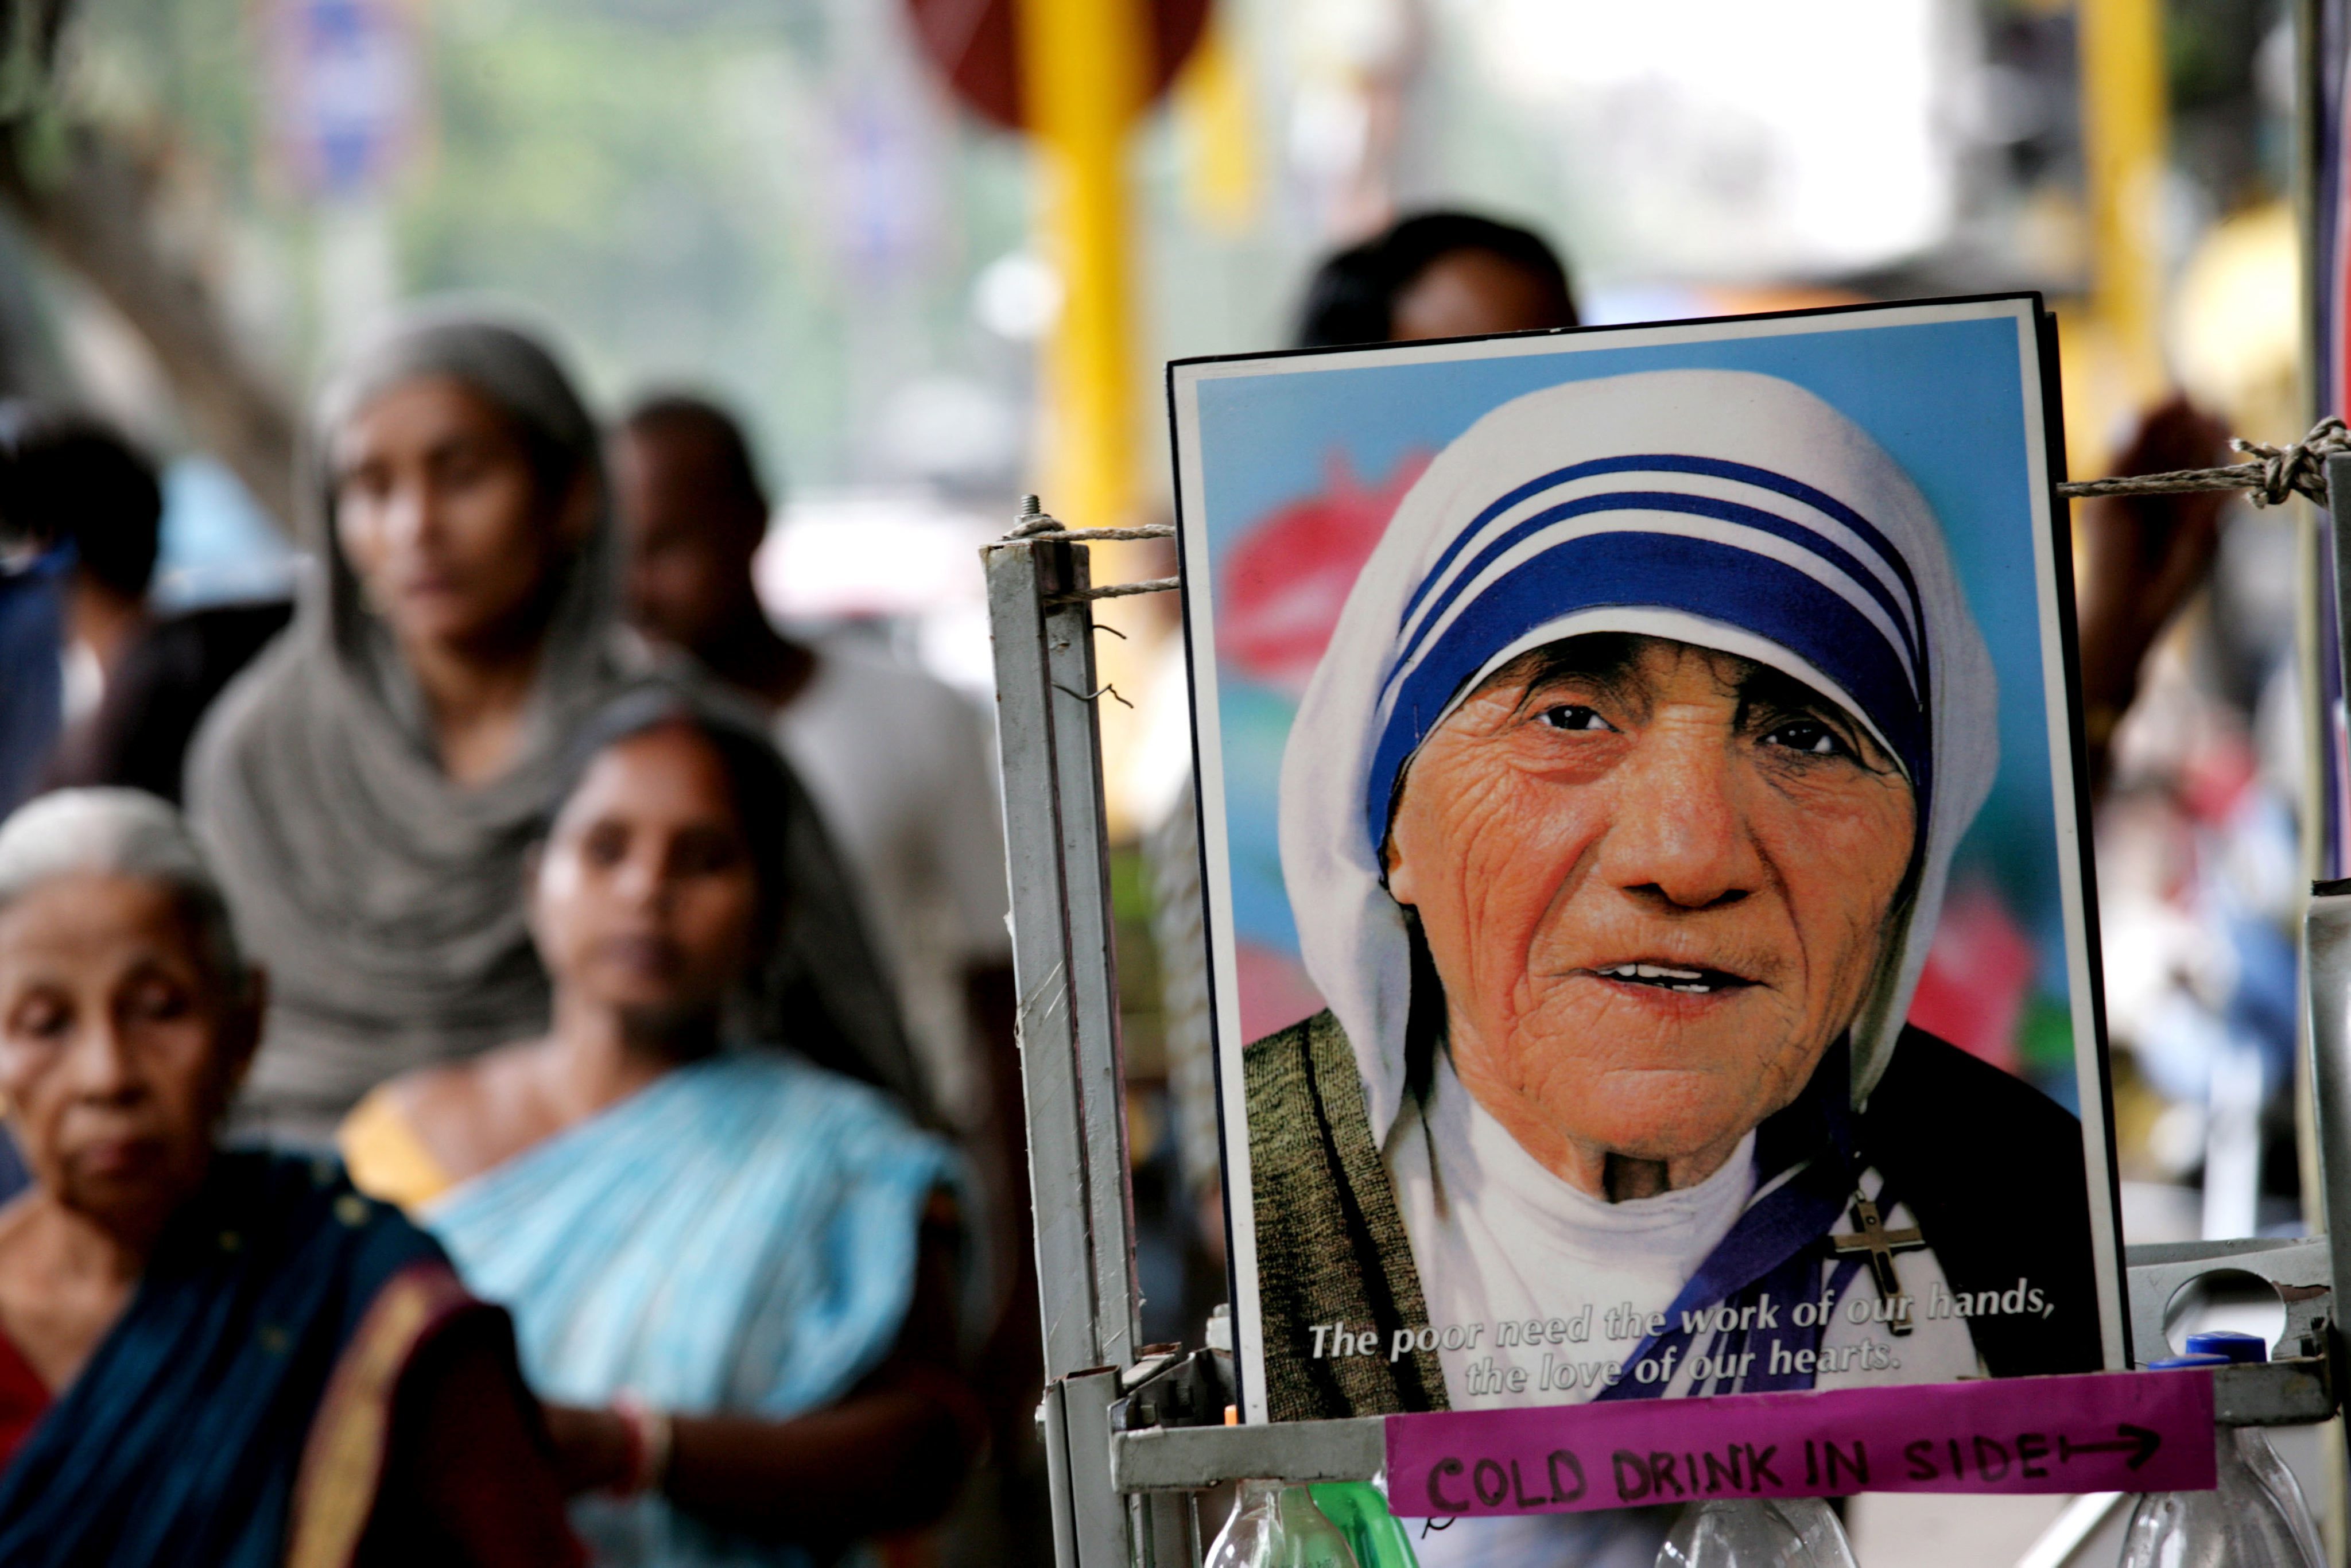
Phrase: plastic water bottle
[1758,1533]
[1276,1525]
[2254,1517]
[1360,1509]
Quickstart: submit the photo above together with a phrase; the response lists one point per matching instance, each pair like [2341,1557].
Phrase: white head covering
[1721,508]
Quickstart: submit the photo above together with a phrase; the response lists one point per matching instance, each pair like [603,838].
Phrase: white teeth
[1653,972]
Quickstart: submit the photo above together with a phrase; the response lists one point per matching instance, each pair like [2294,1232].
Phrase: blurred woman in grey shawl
[368,789]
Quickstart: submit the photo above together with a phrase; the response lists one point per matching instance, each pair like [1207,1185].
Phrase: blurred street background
[936,252]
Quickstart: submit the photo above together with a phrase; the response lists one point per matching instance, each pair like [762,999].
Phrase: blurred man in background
[1437,274]
[136,684]
[77,481]
[32,581]
[901,765]
[81,514]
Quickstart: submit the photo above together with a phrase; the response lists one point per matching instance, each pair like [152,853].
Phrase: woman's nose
[1677,835]
[642,880]
[411,514]
[99,1067]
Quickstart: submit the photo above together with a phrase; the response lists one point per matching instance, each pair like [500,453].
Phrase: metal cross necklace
[1881,1244]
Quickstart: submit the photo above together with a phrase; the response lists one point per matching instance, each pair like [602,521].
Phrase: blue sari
[235,1415]
[740,1236]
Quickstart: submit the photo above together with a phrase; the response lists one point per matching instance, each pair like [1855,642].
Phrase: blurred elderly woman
[369,788]
[210,1357]
[737,1272]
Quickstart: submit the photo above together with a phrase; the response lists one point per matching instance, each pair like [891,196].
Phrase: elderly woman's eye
[40,1017]
[1809,735]
[1572,716]
[158,998]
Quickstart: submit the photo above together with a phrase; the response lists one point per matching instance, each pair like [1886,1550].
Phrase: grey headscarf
[383,898]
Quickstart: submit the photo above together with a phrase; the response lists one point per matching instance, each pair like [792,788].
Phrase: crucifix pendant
[1880,1245]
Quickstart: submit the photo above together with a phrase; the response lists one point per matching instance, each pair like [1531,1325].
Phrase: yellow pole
[1214,123]
[2123,134]
[1082,87]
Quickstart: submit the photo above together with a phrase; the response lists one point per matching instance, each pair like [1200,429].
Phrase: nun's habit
[384,899]
[1729,511]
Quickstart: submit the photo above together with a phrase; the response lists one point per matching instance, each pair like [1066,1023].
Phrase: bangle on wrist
[650,1436]
[633,1455]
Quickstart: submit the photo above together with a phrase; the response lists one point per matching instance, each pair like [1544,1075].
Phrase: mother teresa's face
[1655,880]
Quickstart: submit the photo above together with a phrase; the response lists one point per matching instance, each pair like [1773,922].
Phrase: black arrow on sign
[2140,1443]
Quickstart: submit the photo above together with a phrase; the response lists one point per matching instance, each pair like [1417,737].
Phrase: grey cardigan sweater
[1331,1244]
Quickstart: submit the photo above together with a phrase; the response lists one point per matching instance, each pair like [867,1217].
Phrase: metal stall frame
[1134,1433]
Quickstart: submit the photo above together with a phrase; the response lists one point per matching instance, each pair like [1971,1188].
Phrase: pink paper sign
[2139,1431]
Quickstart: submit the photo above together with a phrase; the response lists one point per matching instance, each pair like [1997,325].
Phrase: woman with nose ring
[1616,821]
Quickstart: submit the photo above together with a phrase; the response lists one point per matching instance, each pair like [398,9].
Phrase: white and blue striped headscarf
[1721,508]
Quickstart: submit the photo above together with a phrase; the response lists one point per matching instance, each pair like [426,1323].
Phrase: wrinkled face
[691,538]
[646,899]
[443,517]
[1657,882]
[119,1046]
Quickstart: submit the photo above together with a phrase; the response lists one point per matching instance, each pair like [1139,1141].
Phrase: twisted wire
[2276,473]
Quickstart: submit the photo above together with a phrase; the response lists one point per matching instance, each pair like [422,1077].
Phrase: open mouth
[1672,977]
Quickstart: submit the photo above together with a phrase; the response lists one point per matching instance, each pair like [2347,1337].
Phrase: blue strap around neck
[1772,1253]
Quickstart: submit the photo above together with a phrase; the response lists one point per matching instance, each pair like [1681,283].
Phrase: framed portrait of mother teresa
[1645,839]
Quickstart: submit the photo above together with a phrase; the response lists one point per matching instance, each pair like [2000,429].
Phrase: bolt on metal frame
[1123,1497]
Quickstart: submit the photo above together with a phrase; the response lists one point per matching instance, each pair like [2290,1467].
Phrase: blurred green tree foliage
[768,200]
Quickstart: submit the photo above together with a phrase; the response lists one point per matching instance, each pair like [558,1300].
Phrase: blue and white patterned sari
[737,1237]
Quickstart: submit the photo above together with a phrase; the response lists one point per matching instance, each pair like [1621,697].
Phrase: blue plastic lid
[2237,1347]
[2173,1363]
